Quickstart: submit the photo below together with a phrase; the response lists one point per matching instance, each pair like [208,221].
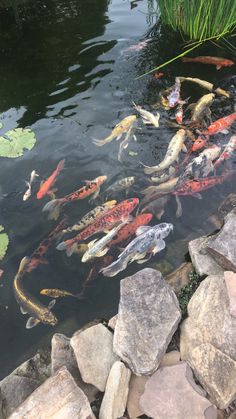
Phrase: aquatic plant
[15,141]
[186,293]
[4,240]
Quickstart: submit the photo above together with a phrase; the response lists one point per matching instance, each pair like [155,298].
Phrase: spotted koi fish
[129,230]
[107,221]
[91,187]
[227,152]
[37,258]
[45,188]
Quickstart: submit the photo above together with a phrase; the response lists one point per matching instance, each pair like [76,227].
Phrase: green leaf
[4,240]
[15,141]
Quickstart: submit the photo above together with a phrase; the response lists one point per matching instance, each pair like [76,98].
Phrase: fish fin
[96,193]
[197,195]
[106,140]
[160,245]
[90,244]
[127,220]
[141,261]
[51,304]
[41,183]
[118,137]
[142,229]
[61,165]
[27,183]
[225,131]
[179,210]
[184,148]
[102,252]
[23,311]
[114,268]
[31,322]
[52,193]
[218,67]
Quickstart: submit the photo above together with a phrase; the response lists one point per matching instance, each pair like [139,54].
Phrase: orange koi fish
[129,230]
[37,258]
[46,186]
[91,187]
[193,187]
[217,61]
[108,220]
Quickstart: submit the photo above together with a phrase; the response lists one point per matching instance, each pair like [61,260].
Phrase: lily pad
[15,141]
[4,240]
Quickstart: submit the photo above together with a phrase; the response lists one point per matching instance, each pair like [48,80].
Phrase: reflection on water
[66,74]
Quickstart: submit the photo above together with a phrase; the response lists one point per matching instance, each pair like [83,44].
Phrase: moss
[187,292]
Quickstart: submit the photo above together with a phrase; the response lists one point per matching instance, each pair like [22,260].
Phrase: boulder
[179,278]
[203,263]
[216,372]
[148,316]
[57,398]
[62,354]
[222,246]
[25,378]
[172,393]
[94,354]
[115,398]
[136,389]
[230,280]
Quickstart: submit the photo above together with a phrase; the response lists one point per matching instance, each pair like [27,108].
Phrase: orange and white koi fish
[217,61]
[45,188]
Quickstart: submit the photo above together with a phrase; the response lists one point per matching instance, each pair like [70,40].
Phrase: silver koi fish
[148,117]
[27,193]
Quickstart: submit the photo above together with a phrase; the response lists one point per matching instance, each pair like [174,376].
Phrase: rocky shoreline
[154,358]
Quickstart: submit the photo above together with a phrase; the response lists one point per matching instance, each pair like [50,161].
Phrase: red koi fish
[129,230]
[217,61]
[37,258]
[108,220]
[179,114]
[193,187]
[46,186]
[91,187]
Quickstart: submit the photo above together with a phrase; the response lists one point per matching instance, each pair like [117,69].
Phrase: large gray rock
[17,386]
[172,393]
[62,354]
[203,263]
[93,349]
[148,316]
[57,398]
[223,246]
[116,393]
[216,372]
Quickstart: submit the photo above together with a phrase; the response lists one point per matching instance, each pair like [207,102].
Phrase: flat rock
[170,358]
[136,389]
[62,354]
[57,398]
[115,398]
[203,263]
[25,378]
[148,316]
[93,349]
[169,393]
[179,278]
[222,247]
[216,372]
[230,280]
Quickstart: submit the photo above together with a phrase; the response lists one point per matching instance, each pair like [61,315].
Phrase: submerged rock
[115,398]
[94,354]
[58,397]
[148,316]
[203,263]
[172,393]
[179,278]
[136,389]
[17,386]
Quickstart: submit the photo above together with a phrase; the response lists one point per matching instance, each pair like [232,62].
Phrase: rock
[209,319]
[57,398]
[62,354]
[203,263]
[170,358]
[227,205]
[232,416]
[25,378]
[180,277]
[94,354]
[216,372]
[148,316]
[169,393]
[112,322]
[223,246]
[116,393]
[230,280]
[136,389]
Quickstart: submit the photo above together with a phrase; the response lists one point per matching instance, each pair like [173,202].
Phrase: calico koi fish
[120,129]
[129,230]
[227,152]
[37,258]
[27,193]
[174,96]
[91,187]
[205,85]
[201,165]
[217,61]
[105,222]
[148,117]
[29,304]
[45,188]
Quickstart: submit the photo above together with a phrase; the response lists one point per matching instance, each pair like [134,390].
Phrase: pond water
[66,75]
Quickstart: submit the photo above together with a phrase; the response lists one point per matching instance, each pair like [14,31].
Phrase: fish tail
[186,60]
[114,268]
[53,207]
[106,140]
[69,246]
[60,165]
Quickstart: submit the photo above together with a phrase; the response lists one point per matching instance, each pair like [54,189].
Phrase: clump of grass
[187,292]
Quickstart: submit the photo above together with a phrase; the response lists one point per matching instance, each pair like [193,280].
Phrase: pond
[66,74]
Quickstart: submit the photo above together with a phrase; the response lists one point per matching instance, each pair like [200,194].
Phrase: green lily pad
[4,240]
[15,141]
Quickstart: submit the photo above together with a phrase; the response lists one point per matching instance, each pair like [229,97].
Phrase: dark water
[65,74]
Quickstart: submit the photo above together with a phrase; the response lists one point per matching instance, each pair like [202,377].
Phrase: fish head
[145,218]
[49,318]
[130,204]
[164,229]
[101,179]
[198,144]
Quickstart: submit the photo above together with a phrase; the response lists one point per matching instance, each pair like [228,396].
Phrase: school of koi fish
[198,157]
